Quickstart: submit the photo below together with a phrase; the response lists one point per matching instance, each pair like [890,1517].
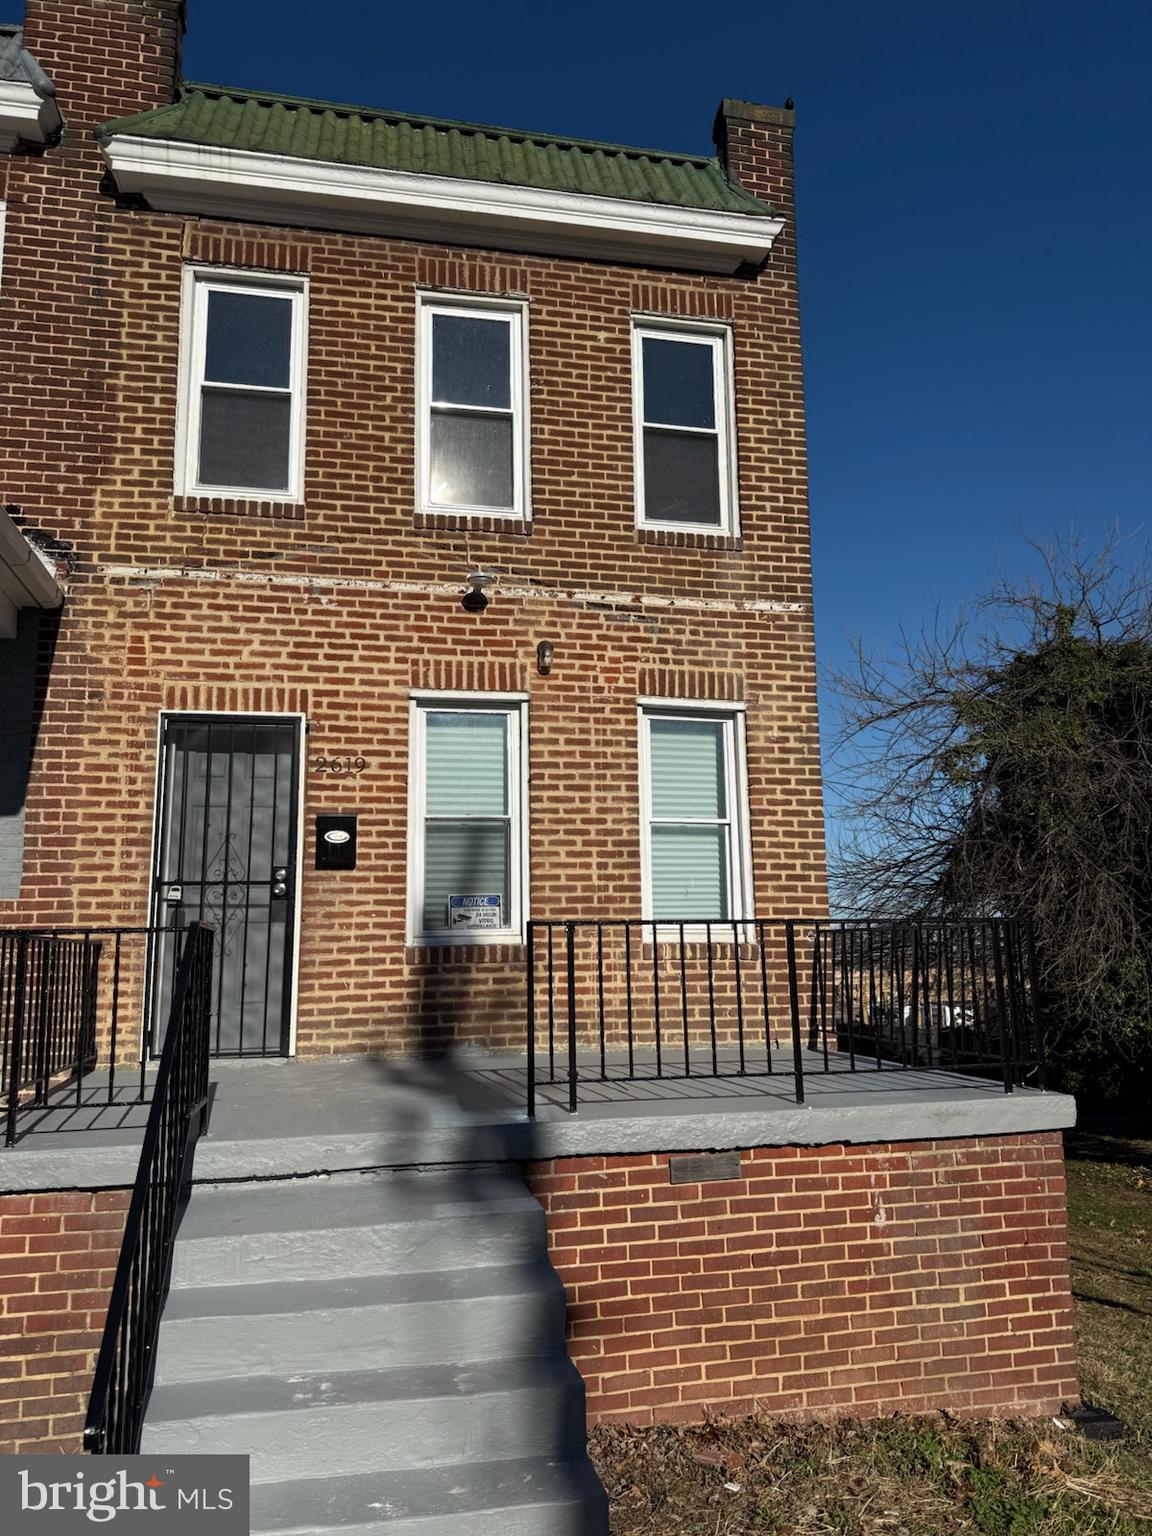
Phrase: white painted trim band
[319,586]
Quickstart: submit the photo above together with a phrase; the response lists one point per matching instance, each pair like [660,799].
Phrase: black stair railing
[641,1001]
[176,1119]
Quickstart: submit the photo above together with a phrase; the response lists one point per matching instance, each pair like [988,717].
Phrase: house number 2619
[339,765]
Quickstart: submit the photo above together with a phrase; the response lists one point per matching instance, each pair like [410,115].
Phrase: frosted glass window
[468,830]
[694,852]
[473,439]
[472,461]
[244,388]
[683,429]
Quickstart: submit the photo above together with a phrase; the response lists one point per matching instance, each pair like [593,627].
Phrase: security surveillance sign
[475,912]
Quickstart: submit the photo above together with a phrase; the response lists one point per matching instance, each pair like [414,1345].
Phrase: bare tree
[1004,764]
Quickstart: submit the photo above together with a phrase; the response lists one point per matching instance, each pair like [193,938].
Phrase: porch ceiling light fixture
[544,653]
[475,600]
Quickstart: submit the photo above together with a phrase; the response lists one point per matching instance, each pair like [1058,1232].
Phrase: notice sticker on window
[475,912]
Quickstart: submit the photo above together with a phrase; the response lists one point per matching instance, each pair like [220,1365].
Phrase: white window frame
[483,307]
[3,218]
[515,707]
[719,338]
[741,899]
[198,283]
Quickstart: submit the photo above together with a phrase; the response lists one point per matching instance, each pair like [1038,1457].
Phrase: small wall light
[475,600]
[544,653]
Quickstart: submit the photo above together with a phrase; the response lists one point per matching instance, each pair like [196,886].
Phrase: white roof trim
[25,116]
[26,579]
[194,178]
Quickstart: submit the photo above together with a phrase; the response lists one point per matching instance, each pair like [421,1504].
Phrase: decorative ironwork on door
[226,855]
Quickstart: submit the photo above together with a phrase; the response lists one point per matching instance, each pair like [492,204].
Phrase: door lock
[280,882]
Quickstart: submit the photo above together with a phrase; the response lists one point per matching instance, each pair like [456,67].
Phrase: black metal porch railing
[47,1016]
[75,998]
[630,1000]
[176,1119]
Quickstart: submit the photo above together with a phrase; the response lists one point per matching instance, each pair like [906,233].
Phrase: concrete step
[367,1322]
[355,1224]
[537,1497]
[361,1422]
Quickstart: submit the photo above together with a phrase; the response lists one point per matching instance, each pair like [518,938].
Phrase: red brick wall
[58,1255]
[833,1280]
[346,602]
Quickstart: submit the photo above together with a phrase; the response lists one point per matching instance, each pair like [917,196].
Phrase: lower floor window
[467,847]
[693,788]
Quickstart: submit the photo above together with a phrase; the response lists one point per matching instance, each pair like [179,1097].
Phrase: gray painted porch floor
[276,1118]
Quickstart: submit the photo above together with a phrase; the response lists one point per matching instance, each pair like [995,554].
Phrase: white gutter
[26,117]
[230,183]
[26,578]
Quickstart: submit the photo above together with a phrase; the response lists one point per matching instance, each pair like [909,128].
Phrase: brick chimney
[106,58]
[755,148]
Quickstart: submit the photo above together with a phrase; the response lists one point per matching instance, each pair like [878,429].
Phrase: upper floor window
[242,387]
[473,433]
[685,452]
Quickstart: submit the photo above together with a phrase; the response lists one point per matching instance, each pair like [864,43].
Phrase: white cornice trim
[194,178]
[26,117]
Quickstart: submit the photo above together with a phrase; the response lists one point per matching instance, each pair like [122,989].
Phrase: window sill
[500,946]
[239,506]
[485,522]
[740,930]
[687,538]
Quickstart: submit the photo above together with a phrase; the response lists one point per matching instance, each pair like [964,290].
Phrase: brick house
[429,502]
[422,375]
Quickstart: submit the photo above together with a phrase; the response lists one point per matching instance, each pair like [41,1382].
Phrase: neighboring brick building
[335,600]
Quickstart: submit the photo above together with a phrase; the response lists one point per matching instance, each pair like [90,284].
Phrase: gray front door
[226,854]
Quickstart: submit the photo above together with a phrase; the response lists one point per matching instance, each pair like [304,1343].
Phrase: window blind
[467,836]
[467,764]
[689,835]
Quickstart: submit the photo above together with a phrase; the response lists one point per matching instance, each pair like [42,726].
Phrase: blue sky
[975,232]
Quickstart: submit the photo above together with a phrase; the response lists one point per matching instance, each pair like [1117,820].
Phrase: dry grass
[1110,1214]
[936,1476]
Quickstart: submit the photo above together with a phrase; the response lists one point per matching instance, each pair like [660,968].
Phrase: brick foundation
[831,1280]
[58,1254]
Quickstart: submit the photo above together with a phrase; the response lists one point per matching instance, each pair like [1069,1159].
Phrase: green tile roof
[347,135]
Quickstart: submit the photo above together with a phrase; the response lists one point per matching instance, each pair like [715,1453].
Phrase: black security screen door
[226,854]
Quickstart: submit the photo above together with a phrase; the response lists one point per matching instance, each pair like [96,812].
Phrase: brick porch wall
[832,1280]
[58,1254]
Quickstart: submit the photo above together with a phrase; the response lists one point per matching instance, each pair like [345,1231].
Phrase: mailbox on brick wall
[336,842]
